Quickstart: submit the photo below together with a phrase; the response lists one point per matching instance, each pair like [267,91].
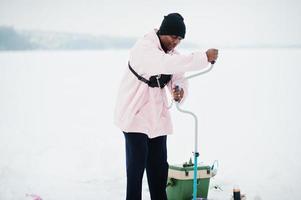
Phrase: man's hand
[212,55]
[177,94]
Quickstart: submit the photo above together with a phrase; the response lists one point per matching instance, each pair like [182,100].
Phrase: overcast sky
[224,22]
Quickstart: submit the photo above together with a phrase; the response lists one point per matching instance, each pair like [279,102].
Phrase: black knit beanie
[173,24]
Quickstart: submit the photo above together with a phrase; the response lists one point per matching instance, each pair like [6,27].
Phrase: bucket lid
[180,167]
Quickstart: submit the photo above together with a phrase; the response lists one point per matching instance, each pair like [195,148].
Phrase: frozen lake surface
[58,140]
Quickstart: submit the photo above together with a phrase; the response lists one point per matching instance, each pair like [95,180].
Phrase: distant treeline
[12,39]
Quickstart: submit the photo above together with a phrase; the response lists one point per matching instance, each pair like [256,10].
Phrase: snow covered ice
[58,140]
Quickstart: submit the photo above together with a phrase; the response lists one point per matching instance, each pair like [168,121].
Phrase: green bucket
[180,181]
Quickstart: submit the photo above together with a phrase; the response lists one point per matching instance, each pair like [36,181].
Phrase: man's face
[170,41]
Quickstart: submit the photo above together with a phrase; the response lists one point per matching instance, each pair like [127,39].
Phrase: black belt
[163,79]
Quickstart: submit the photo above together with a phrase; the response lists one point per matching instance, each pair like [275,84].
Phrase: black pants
[150,154]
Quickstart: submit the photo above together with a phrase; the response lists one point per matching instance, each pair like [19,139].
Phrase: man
[141,110]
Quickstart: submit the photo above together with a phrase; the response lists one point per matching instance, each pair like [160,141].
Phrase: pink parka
[140,108]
